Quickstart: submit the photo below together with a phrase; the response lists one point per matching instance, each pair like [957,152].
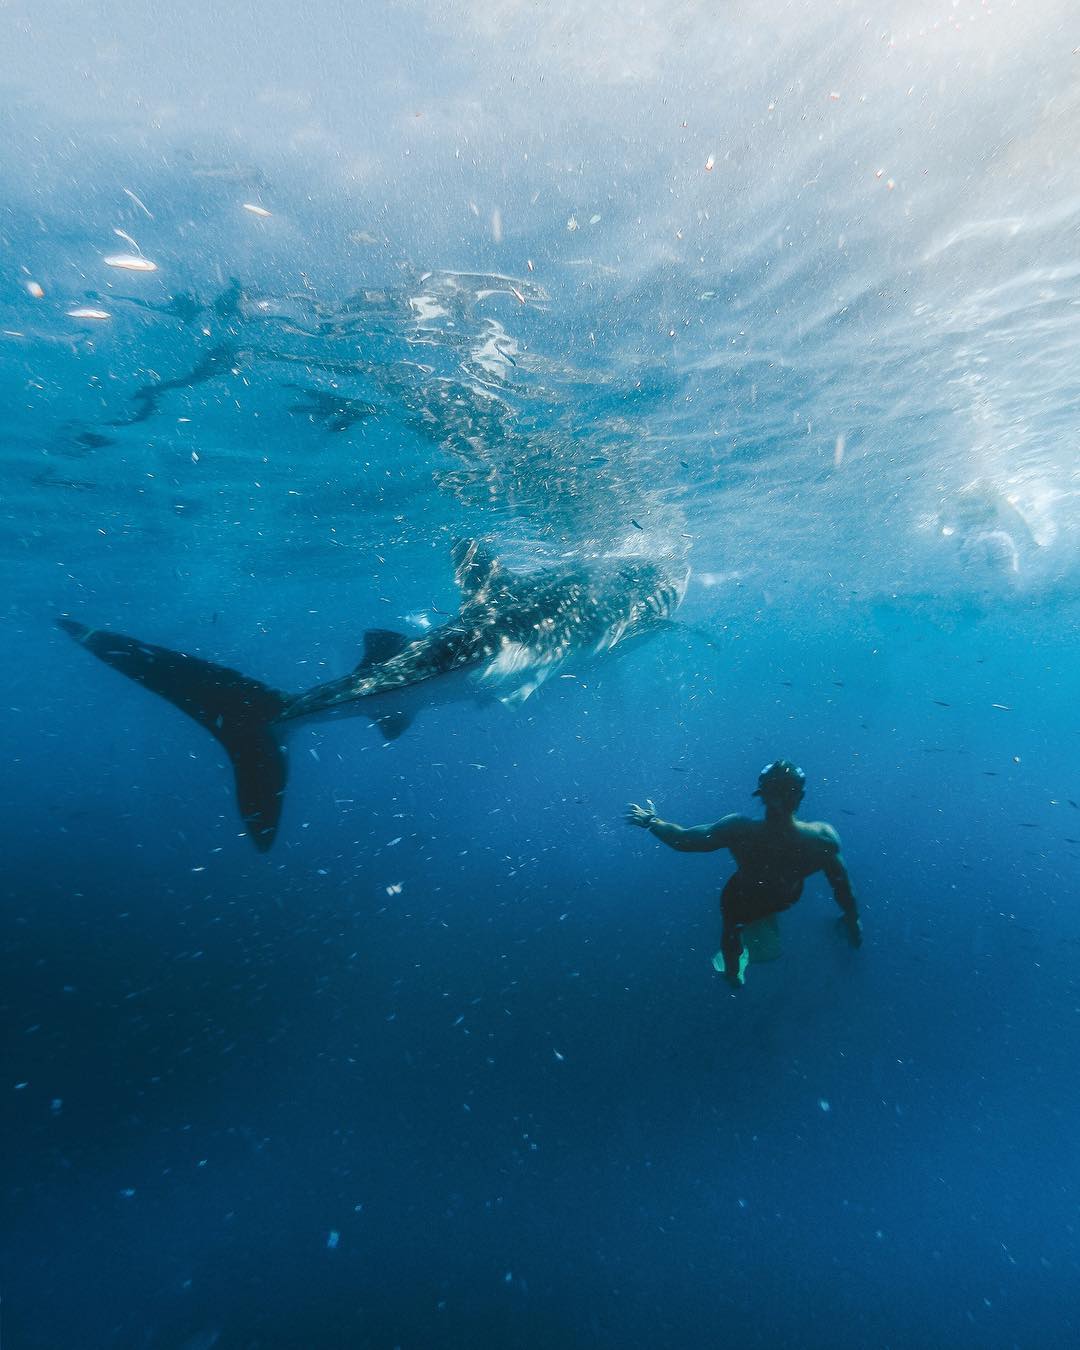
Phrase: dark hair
[782,782]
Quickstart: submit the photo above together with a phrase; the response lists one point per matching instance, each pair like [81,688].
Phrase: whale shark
[511,632]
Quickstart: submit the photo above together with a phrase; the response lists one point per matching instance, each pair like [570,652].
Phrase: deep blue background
[790,291]
[516,1089]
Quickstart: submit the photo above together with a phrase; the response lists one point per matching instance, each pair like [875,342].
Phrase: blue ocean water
[789,300]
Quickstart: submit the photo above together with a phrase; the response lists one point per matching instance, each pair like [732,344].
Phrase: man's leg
[736,957]
[732,949]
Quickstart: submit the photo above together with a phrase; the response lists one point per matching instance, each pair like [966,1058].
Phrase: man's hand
[642,816]
[852,927]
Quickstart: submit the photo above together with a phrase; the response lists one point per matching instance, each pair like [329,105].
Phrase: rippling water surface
[295,297]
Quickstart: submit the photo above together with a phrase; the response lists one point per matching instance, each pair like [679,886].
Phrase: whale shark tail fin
[237,711]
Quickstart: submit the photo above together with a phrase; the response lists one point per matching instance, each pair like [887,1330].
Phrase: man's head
[781,785]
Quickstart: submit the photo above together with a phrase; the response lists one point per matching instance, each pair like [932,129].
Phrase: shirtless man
[774,858]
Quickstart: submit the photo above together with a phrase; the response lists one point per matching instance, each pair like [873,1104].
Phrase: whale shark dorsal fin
[475,567]
[381,644]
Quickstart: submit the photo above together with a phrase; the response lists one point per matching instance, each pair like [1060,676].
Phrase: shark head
[653,590]
[582,611]
[673,590]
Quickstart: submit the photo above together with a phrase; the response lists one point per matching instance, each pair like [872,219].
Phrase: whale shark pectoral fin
[521,669]
[474,566]
[514,698]
[508,660]
[237,711]
[393,724]
[380,644]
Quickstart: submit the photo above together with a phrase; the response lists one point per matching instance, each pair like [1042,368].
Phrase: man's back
[779,854]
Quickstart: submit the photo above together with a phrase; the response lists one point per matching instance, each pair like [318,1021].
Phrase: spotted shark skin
[511,633]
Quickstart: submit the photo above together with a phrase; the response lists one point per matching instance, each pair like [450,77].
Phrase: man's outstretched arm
[836,873]
[686,839]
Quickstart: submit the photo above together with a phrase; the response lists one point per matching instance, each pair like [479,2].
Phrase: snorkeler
[774,858]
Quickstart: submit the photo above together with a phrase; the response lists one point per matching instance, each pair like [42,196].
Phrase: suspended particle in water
[130,262]
[138,202]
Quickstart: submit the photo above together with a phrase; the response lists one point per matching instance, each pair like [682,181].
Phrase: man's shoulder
[820,832]
[736,823]
[736,818]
